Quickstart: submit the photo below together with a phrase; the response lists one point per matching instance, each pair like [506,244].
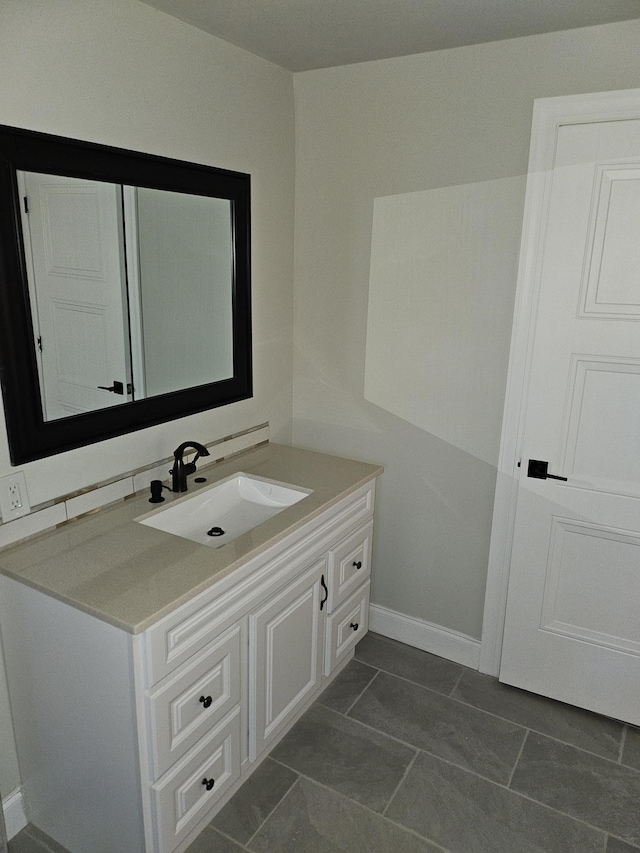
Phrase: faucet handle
[190,467]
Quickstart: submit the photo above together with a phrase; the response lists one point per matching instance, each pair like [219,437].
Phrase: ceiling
[305,34]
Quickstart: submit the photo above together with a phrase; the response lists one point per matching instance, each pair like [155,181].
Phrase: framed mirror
[124,290]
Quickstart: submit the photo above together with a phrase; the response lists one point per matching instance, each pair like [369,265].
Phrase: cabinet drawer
[183,707]
[346,626]
[182,798]
[349,565]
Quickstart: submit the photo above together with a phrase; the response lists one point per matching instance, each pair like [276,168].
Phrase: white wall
[124,74]
[432,131]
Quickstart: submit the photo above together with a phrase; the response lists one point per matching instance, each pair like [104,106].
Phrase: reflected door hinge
[26,205]
[39,342]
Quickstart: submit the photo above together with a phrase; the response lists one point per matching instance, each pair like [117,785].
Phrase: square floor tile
[405,661]
[564,722]
[467,814]
[442,726]
[312,819]
[343,754]
[600,792]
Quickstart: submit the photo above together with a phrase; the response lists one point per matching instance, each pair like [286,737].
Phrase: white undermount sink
[220,513]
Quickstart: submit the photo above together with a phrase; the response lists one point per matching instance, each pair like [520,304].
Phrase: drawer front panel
[182,798]
[346,626]
[174,640]
[349,565]
[187,704]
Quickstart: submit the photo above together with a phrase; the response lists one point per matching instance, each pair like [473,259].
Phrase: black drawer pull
[208,783]
[354,625]
[206,700]
[358,565]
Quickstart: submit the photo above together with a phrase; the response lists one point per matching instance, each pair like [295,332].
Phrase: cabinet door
[285,653]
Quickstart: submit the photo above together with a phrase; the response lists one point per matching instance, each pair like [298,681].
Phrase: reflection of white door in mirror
[180,274]
[75,264]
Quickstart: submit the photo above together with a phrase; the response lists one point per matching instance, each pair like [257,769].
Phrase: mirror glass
[128,276]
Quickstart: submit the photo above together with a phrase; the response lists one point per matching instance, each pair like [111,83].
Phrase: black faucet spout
[180,469]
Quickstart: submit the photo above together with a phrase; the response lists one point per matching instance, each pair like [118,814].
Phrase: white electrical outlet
[14,501]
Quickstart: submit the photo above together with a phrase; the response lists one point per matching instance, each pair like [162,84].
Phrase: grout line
[511,775]
[400,783]
[280,801]
[457,684]
[430,689]
[362,692]
[623,741]
[224,835]
[620,838]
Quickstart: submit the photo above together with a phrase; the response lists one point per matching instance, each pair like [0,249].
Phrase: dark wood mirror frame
[30,436]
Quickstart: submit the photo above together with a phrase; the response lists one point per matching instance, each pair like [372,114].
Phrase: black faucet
[180,470]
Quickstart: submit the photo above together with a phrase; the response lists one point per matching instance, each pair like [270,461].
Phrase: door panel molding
[616,197]
[569,540]
[549,114]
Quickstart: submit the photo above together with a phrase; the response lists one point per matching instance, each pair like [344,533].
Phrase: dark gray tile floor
[409,753]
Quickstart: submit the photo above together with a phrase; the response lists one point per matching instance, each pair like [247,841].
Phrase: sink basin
[220,513]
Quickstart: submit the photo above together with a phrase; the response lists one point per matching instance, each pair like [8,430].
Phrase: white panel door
[572,626]
[78,282]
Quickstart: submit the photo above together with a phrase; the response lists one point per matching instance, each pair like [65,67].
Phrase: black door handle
[116,388]
[538,470]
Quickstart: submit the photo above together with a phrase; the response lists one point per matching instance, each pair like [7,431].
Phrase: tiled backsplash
[68,507]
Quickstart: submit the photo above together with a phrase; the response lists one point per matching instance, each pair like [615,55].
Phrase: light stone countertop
[131,575]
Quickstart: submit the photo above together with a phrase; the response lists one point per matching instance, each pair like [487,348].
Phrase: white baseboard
[14,815]
[425,635]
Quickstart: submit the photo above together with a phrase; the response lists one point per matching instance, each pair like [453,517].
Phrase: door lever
[116,388]
[538,470]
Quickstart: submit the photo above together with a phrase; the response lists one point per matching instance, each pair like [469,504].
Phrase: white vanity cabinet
[133,741]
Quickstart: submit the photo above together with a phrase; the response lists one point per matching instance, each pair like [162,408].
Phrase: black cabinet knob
[208,783]
[358,565]
[206,700]
[354,625]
